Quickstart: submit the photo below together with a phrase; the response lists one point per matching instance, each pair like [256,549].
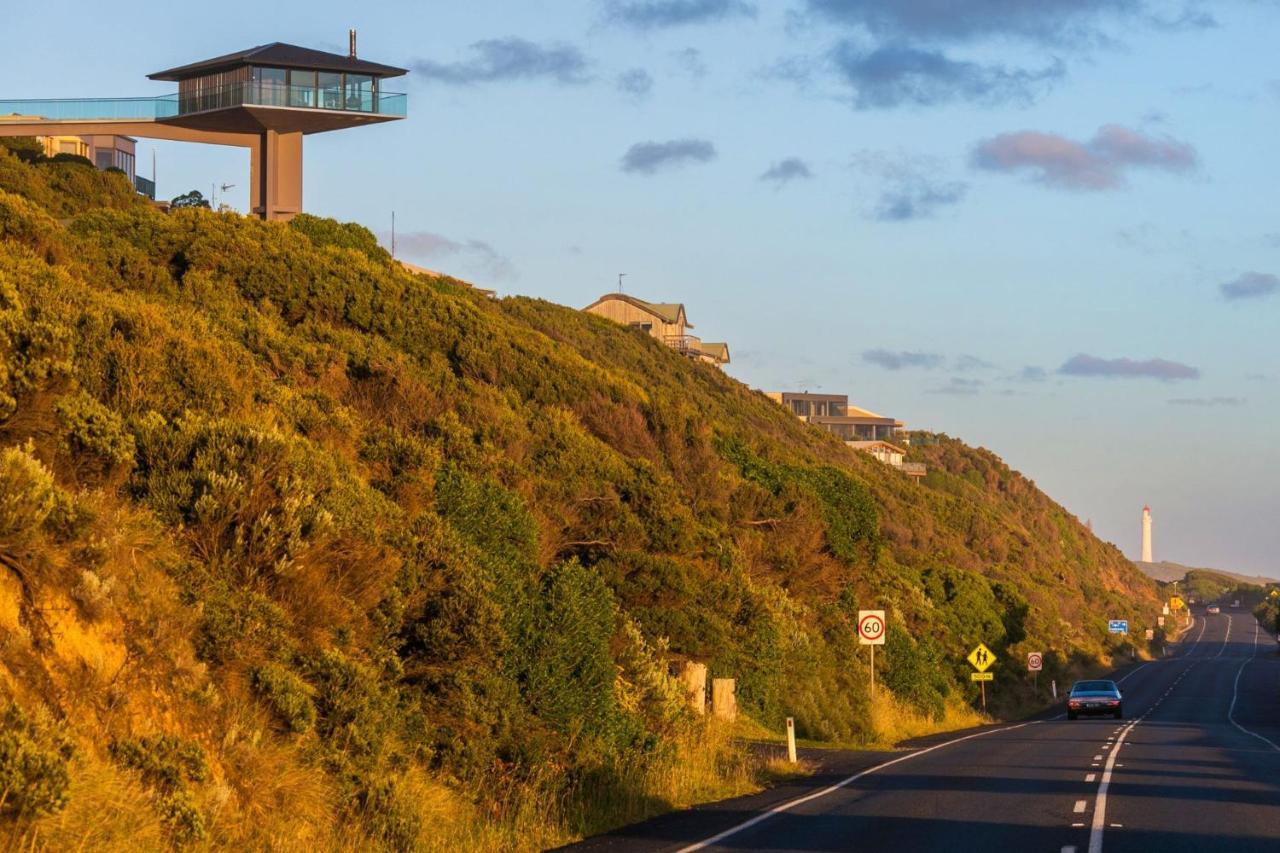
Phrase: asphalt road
[1195,766]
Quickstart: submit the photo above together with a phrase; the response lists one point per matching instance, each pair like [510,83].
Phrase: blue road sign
[1118,626]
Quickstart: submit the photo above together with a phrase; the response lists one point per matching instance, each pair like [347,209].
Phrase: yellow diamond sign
[1175,603]
[981,658]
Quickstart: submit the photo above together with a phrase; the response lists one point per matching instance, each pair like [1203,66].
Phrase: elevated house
[665,321]
[860,429]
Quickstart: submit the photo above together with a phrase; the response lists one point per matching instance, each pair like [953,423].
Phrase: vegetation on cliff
[299,549]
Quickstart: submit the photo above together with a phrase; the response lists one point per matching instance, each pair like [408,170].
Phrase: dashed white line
[1089,777]
[1079,807]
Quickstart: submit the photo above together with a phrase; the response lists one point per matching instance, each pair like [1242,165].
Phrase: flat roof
[280,55]
[868,445]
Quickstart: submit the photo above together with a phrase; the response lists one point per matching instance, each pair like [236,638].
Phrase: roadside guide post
[871,627]
[791,739]
[1054,684]
[981,659]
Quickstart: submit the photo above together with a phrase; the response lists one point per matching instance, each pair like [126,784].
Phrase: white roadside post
[791,739]
[871,627]
[1054,685]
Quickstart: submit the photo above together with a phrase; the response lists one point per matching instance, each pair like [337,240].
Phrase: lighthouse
[1146,534]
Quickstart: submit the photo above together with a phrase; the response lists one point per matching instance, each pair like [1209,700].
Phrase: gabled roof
[280,55]
[667,312]
[716,350]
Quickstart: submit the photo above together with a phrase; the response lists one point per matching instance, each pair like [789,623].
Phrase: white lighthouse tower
[1146,534]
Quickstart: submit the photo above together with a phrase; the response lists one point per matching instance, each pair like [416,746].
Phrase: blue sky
[1045,226]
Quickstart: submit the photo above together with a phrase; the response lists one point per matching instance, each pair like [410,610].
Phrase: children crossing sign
[981,658]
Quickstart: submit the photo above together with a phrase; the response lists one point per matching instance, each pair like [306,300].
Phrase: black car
[1094,698]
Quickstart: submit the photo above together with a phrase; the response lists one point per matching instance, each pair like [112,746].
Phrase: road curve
[1194,767]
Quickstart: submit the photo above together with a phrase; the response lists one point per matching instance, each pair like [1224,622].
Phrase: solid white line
[1100,804]
[790,804]
[1133,672]
[1235,695]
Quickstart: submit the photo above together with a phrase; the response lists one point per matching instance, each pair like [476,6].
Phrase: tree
[25,148]
[191,199]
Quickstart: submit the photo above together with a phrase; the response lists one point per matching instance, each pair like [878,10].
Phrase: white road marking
[1235,695]
[1225,639]
[1069,849]
[843,783]
[1079,807]
[1097,758]
[1089,777]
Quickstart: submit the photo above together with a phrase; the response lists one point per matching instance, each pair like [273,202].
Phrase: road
[1195,766]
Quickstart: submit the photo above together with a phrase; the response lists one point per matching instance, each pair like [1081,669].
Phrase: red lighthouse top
[1146,509]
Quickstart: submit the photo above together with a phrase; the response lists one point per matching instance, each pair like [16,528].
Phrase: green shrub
[288,696]
[34,779]
[343,235]
[28,494]
[168,765]
[93,429]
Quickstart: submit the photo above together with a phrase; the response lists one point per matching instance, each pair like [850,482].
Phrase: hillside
[1167,572]
[301,550]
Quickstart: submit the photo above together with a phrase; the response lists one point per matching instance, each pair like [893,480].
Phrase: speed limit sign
[871,627]
[1035,662]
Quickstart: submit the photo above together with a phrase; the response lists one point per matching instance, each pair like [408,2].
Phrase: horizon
[1041,235]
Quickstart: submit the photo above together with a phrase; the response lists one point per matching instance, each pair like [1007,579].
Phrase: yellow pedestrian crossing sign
[981,658]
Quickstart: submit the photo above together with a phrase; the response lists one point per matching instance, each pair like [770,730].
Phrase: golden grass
[894,721]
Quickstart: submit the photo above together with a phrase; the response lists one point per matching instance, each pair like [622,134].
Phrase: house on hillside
[859,428]
[833,413]
[665,321]
[417,270]
[105,151]
[891,455]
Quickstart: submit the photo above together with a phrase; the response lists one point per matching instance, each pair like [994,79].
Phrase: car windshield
[1094,687]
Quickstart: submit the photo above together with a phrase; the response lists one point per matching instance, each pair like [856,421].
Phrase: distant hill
[1166,571]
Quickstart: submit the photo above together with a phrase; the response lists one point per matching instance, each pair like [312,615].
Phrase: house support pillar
[276,165]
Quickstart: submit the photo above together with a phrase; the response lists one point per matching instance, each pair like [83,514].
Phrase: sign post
[1035,663]
[981,659]
[871,626]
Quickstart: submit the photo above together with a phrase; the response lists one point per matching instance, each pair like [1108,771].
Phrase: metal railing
[914,469]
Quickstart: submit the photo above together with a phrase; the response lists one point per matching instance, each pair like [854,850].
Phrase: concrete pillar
[724,703]
[276,181]
[693,677]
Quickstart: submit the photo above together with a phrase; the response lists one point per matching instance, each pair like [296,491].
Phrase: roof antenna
[621,276]
[351,37]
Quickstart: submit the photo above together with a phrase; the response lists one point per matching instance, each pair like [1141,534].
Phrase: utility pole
[393,234]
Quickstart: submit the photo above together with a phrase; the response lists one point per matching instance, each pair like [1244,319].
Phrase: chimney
[351,36]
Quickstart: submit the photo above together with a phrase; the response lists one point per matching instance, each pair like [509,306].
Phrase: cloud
[691,62]
[959,387]
[894,74]
[1031,373]
[1250,285]
[661,14]
[785,171]
[1127,368]
[476,255]
[911,187]
[1041,21]
[512,58]
[1099,164]
[635,82]
[971,362]
[646,158]
[899,360]
[1208,402]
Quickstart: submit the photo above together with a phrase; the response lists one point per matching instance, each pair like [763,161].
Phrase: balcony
[253,94]
[913,469]
[687,344]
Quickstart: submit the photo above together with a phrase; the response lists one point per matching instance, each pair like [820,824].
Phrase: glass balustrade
[325,96]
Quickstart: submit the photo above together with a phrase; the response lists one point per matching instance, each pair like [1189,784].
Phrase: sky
[1047,227]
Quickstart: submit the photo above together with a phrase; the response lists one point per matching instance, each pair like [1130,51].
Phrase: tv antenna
[621,276]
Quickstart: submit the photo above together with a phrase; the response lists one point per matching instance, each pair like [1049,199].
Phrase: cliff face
[286,528]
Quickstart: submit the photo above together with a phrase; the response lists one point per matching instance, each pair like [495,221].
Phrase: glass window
[271,86]
[360,92]
[302,88]
[330,90]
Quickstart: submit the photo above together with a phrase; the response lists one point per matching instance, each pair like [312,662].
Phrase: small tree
[192,199]
[26,148]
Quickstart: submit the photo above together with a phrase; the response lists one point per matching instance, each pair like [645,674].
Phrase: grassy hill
[301,550]
[1167,572]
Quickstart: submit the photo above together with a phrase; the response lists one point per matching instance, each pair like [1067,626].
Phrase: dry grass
[894,721]
[107,810]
